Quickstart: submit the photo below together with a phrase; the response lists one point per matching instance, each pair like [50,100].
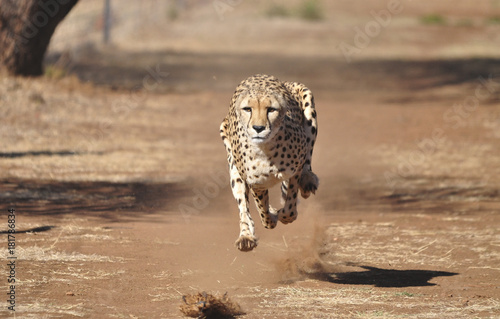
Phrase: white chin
[258,140]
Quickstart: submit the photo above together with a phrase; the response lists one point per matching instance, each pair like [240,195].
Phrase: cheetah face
[261,117]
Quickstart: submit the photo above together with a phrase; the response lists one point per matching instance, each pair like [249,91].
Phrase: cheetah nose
[258,128]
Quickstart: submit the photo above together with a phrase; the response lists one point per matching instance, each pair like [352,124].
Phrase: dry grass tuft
[203,305]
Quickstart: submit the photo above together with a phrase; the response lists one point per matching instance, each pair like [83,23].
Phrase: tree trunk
[26,27]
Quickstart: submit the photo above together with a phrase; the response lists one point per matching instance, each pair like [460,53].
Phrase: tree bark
[26,27]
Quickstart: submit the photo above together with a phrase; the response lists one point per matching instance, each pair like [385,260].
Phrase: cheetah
[269,135]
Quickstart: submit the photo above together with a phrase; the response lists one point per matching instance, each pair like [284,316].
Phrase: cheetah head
[261,115]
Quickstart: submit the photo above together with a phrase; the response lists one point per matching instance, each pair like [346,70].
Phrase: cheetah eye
[247,109]
[271,110]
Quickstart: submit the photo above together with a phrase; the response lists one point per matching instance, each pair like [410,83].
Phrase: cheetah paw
[246,243]
[286,218]
[308,184]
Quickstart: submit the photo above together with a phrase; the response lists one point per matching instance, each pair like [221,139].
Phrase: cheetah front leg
[269,219]
[247,240]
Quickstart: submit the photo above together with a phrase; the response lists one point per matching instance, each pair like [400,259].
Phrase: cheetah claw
[246,243]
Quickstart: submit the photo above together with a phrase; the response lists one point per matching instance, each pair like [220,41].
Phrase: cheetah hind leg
[308,183]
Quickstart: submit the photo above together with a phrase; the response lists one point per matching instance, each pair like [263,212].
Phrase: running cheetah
[269,135]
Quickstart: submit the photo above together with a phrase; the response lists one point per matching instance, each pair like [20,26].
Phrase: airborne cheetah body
[269,135]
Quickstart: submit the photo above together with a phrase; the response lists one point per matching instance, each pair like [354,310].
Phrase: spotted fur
[269,135]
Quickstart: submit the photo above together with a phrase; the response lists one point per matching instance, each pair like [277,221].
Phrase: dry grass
[431,247]
[42,263]
[45,308]
[466,160]
[73,117]
[48,254]
[28,244]
[298,302]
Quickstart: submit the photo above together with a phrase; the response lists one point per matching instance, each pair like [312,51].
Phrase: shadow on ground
[388,278]
[108,200]
[30,230]
[37,153]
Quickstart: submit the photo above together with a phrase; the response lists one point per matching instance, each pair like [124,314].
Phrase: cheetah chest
[267,164]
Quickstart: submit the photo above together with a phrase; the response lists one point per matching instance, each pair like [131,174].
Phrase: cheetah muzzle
[269,135]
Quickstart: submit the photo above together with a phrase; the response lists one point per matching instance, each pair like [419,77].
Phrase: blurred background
[210,39]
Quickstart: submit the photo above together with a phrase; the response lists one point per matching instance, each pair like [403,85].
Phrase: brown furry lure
[206,306]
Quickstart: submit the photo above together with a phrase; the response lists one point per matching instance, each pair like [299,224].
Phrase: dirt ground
[119,179]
